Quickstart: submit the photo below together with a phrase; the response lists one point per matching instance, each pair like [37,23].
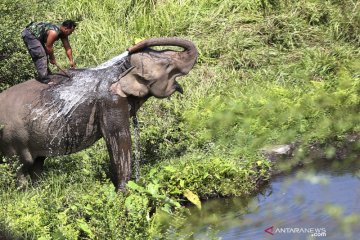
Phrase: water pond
[321,201]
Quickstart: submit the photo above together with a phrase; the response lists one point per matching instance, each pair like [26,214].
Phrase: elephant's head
[153,72]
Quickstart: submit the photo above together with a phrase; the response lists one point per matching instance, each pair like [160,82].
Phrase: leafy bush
[346,23]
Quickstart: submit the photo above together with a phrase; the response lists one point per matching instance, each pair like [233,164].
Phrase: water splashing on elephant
[83,89]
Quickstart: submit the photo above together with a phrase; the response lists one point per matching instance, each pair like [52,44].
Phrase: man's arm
[68,51]
[52,36]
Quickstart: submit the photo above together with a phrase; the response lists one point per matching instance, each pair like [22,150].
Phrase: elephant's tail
[1,156]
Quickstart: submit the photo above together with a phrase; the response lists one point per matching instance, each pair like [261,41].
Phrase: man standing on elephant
[39,38]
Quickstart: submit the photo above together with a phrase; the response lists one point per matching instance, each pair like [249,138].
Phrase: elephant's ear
[130,83]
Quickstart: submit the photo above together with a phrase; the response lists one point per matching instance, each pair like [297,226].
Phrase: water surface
[321,201]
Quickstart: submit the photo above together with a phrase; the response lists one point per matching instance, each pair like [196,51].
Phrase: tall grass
[268,72]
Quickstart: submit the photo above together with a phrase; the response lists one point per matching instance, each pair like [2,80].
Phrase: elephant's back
[14,99]
[22,92]
[31,84]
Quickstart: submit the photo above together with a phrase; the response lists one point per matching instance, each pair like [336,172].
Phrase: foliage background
[269,72]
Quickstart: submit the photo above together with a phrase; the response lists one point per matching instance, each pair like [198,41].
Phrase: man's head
[67,27]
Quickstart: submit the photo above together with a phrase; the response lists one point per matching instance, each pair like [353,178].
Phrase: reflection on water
[322,200]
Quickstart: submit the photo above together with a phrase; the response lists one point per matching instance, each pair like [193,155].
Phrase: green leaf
[170,169]
[132,185]
[182,183]
[85,227]
[58,235]
[153,189]
[134,203]
[192,197]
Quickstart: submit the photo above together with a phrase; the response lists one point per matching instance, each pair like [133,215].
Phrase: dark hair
[69,24]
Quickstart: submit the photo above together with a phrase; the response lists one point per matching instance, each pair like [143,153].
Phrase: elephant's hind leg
[26,162]
[21,177]
[37,168]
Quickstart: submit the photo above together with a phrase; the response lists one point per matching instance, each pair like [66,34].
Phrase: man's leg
[42,69]
[38,55]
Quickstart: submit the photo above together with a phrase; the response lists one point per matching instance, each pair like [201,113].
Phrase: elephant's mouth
[178,88]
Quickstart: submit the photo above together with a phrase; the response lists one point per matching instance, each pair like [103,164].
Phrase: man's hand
[72,64]
[53,61]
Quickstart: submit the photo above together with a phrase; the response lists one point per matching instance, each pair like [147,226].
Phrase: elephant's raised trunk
[186,59]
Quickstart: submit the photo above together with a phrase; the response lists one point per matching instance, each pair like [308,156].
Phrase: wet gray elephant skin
[39,120]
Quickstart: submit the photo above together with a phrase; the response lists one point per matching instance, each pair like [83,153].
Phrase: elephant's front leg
[115,129]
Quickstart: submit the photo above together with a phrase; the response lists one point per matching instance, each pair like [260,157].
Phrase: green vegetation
[269,72]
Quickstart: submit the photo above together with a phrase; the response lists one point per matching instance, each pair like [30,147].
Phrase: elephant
[73,112]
